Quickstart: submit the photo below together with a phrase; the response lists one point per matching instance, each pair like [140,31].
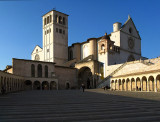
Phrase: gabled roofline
[55,11]
[35,47]
[33,61]
[133,25]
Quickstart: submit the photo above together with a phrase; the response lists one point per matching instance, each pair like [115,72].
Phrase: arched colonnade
[136,83]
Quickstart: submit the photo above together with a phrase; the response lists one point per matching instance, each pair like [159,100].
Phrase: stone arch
[37,57]
[151,83]
[36,85]
[133,84]
[53,85]
[60,19]
[102,47]
[112,84]
[123,85]
[158,82]
[45,85]
[28,84]
[138,85]
[85,77]
[144,83]
[127,84]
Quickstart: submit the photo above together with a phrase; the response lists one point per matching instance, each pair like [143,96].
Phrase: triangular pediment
[37,49]
[130,28]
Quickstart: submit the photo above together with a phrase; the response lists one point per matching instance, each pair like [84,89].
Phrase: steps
[74,105]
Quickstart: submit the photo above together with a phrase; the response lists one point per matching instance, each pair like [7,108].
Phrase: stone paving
[74,105]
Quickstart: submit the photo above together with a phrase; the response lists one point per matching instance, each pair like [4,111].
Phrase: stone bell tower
[55,37]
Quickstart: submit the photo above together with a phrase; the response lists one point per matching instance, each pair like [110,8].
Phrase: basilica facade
[93,62]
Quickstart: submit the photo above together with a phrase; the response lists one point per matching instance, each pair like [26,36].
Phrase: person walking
[83,87]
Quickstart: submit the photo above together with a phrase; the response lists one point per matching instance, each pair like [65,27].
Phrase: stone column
[141,85]
[126,86]
[118,85]
[148,85]
[135,85]
[155,85]
[130,85]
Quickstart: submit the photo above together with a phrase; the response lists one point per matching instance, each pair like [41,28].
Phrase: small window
[64,21]
[64,32]
[60,30]
[50,18]
[56,18]
[47,19]
[60,19]
[47,31]
[102,47]
[47,50]
[130,30]
[56,29]
[36,50]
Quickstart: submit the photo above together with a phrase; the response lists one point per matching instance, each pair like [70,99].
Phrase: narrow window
[47,19]
[39,69]
[50,18]
[60,30]
[32,70]
[56,29]
[64,32]
[46,71]
[64,21]
[60,19]
[56,18]
[102,47]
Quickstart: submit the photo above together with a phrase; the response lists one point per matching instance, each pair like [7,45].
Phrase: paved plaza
[94,105]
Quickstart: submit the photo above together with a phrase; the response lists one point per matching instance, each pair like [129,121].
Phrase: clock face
[130,43]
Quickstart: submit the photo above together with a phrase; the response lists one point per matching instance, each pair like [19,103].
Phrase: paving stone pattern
[74,105]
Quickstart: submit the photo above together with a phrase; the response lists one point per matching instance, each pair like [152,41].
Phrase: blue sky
[21,23]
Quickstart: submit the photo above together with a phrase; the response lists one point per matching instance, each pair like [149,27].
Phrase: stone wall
[66,75]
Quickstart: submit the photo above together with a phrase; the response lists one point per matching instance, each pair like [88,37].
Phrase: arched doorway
[128,84]
[151,83]
[85,77]
[53,85]
[158,82]
[123,85]
[144,83]
[36,85]
[138,86]
[133,86]
[45,85]
[28,85]
[112,84]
